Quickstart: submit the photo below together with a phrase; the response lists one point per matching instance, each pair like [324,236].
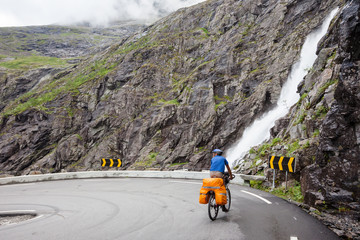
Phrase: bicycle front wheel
[226,207]
[213,209]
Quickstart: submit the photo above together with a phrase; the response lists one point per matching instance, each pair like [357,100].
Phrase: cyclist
[218,164]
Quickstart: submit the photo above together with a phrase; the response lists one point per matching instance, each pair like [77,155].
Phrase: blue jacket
[218,164]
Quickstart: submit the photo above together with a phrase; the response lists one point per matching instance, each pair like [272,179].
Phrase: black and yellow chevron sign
[110,162]
[282,163]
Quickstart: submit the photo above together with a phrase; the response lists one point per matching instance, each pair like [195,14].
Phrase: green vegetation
[275,141]
[264,149]
[257,185]
[200,150]
[149,161]
[311,69]
[70,111]
[219,101]
[219,104]
[254,71]
[316,133]
[300,119]
[252,151]
[170,102]
[301,99]
[326,85]
[79,137]
[29,62]
[205,31]
[247,30]
[320,112]
[55,88]
[293,193]
[152,156]
[307,144]
[293,146]
[343,209]
[332,56]
[178,164]
[141,43]
[76,164]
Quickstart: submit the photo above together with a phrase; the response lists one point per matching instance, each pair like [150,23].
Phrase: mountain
[165,96]
[30,54]
[62,41]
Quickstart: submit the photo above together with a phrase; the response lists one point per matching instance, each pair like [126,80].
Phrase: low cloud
[96,12]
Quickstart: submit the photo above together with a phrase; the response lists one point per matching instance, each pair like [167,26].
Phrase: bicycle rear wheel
[226,207]
[213,209]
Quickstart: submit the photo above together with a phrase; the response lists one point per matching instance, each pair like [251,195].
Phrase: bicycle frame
[213,208]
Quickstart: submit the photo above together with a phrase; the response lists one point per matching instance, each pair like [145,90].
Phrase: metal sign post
[273,185]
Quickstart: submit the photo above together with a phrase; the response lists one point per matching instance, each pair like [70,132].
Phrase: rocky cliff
[322,130]
[194,80]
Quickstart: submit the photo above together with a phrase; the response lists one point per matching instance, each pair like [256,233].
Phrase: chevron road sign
[287,164]
[110,162]
[282,163]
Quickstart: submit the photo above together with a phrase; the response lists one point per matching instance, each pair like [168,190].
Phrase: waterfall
[259,131]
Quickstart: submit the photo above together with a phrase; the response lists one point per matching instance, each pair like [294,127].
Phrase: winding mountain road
[129,208]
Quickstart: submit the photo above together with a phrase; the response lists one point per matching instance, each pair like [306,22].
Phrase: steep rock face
[17,83]
[322,129]
[164,97]
[338,153]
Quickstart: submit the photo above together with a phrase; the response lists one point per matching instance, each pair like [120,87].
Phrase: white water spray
[259,131]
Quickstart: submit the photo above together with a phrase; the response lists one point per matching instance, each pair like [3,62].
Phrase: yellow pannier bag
[220,196]
[216,185]
[203,198]
[213,182]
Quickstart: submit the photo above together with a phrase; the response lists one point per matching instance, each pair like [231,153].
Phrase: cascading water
[259,131]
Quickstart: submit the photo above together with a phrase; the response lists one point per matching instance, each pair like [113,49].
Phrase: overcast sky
[97,12]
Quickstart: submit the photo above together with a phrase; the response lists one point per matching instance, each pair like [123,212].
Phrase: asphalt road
[128,208]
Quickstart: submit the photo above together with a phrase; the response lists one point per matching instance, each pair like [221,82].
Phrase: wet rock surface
[326,120]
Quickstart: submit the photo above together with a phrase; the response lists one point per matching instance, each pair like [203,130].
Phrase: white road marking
[37,217]
[293,238]
[295,218]
[186,182]
[253,194]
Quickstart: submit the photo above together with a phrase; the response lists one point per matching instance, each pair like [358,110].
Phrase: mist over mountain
[94,12]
